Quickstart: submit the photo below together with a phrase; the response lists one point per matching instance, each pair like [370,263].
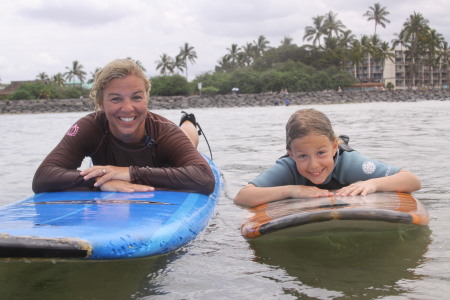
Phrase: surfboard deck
[104,225]
[310,216]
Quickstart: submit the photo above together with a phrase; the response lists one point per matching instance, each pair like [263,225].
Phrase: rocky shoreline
[240,100]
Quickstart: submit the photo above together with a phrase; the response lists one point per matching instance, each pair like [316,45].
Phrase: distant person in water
[318,162]
[132,149]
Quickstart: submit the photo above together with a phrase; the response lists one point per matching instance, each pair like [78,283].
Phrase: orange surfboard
[312,216]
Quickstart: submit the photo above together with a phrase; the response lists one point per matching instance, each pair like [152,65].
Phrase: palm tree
[377,14]
[433,44]
[332,25]
[58,79]
[249,53]
[286,41]
[224,64]
[356,57]
[42,76]
[139,63]
[179,64]
[187,53]
[316,31]
[346,39]
[76,71]
[415,30]
[444,56]
[367,50]
[400,40]
[384,52]
[92,79]
[233,54]
[344,45]
[164,64]
[262,45]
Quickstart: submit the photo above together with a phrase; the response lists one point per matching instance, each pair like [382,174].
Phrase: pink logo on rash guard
[73,130]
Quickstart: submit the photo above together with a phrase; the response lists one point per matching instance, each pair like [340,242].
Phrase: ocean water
[220,263]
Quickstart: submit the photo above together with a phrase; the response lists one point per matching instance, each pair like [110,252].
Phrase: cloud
[47,35]
[79,13]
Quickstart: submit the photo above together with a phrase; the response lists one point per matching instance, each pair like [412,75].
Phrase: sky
[48,35]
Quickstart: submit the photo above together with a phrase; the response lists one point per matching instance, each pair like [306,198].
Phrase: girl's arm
[403,181]
[251,195]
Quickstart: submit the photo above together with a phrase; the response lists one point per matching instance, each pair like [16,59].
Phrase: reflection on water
[357,265]
[79,280]
[220,263]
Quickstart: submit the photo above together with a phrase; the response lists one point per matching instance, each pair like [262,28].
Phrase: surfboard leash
[201,132]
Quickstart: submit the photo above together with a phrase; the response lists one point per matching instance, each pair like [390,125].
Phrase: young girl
[317,163]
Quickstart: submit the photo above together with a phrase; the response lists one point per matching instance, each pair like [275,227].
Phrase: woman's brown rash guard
[171,162]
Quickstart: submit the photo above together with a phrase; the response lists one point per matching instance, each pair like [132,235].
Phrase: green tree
[444,59]
[332,26]
[75,71]
[42,76]
[261,45]
[356,56]
[345,39]
[378,14]
[92,79]
[139,63]
[233,55]
[179,64]
[433,43]
[58,80]
[187,53]
[314,33]
[165,64]
[224,64]
[414,30]
[286,41]
[384,52]
[175,85]
[249,51]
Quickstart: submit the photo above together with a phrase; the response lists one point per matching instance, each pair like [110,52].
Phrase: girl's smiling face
[125,103]
[313,155]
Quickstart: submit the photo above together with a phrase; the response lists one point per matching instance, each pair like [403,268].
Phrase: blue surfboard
[104,225]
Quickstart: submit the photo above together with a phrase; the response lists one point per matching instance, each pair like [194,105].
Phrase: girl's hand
[304,191]
[358,188]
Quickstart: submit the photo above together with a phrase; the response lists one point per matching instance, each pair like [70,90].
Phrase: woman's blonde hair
[118,68]
[306,121]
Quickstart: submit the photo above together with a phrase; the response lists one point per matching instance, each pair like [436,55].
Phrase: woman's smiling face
[125,103]
[313,155]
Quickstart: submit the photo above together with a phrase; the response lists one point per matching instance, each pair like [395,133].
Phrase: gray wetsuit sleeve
[352,167]
[284,172]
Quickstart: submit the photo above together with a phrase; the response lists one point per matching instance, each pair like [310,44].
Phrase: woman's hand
[124,187]
[106,173]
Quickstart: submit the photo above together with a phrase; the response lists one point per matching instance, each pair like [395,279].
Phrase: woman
[316,163]
[132,149]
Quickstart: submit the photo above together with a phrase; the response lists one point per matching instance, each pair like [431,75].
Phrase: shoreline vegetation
[417,57]
[232,100]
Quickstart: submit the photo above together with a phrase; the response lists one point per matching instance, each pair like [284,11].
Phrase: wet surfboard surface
[313,216]
[104,225]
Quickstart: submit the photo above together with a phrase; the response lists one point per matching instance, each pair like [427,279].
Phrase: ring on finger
[103,171]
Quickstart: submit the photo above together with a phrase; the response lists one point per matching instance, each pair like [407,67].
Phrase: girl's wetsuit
[349,167]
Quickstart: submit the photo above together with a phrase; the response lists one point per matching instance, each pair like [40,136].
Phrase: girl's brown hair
[306,121]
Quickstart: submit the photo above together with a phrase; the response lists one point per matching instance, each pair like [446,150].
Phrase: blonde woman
[132,149]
